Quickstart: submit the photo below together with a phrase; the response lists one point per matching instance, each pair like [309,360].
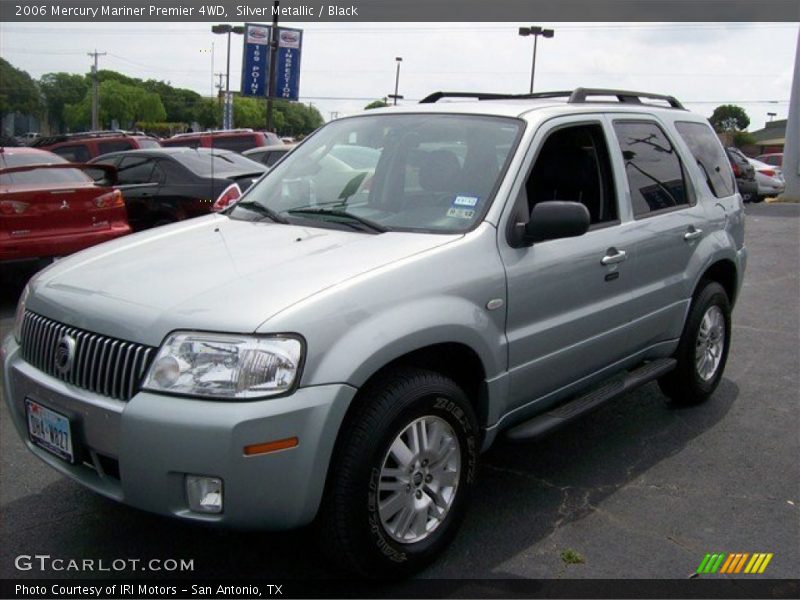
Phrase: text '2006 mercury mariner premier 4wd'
[405,286]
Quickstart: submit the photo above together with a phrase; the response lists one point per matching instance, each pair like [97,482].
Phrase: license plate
[49,430]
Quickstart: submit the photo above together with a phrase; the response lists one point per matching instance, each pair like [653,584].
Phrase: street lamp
[396,96]
[771,116]
[535,31]
[221,30]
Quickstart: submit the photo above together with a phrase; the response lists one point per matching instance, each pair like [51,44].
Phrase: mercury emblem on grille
[65,354]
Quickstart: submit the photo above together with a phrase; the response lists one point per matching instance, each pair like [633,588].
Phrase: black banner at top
[399,10]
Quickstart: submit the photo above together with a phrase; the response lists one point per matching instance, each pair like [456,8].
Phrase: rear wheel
[401,475]
[703,348]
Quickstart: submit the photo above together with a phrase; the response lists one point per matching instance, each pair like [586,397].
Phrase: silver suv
[403,288]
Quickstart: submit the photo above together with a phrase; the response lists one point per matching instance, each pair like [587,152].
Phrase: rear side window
[654,171]
[710,156]
[136,169]
[238,143]
[114,146]
[74,153]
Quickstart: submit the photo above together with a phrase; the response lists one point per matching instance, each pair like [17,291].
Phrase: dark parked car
[171,184]
[269,155]
[237,140]
[744,173]
[82,147]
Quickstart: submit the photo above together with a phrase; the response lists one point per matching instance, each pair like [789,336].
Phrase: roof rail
[212,131]
[577,96]
[63,137]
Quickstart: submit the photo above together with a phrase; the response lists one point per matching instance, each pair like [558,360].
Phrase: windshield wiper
[342,214]
[262,210]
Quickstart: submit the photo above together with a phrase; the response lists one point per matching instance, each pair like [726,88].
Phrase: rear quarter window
[707,151]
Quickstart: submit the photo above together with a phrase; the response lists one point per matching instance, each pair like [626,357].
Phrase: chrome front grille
[95,362]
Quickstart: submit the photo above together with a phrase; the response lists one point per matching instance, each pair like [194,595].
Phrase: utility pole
[273,55]
[95,91]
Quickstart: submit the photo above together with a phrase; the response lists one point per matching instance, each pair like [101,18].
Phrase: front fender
[374,342]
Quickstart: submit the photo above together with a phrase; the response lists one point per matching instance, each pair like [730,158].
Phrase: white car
[769,179]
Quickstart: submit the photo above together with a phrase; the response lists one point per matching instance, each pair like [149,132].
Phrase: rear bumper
[21,248]
[139,452]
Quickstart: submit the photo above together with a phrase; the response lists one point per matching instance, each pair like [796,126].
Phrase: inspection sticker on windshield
[470,201]
[461,213]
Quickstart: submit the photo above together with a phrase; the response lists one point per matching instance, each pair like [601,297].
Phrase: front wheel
[401,474]
[703,348]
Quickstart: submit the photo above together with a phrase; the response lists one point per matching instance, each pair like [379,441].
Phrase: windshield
[42,176]
[412,172]
[200,162]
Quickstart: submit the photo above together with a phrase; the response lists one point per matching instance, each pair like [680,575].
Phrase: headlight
[20,314]
[225,366]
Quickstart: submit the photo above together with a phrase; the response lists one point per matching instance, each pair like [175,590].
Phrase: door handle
[614,256]
[692,234]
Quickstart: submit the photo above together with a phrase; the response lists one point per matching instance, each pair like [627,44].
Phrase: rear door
[669,224]
[140,188]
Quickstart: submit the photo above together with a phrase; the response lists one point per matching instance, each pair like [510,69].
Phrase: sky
[347,65]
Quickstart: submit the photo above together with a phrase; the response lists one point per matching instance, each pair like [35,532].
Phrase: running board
[564,413]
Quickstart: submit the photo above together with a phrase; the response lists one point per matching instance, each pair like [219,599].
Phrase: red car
[81,147]
[237,140]
[50,207]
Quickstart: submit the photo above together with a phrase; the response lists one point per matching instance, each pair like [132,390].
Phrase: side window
[710,156]
[75,153]
[654,171]
[238,143]
[573,164]
[114,146]
[135,169]
[272,157]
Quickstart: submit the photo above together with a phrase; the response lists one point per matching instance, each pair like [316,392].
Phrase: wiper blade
[261,209]
[343,214]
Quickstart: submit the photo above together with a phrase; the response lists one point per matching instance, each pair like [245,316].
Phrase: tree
[120,102]
[18,92]
[60,89]
[208,113]
[729,118]
[376,104]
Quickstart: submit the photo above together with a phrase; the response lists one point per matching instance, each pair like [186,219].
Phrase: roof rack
[212,131]
[63,137]
[577,96]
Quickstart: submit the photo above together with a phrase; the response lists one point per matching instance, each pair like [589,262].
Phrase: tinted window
[77,153]
[114,146]
[272,157]
[574,165]
[46,177]
[12,159]
[652,166]
[136,169]
[238,143]
[202,163]
[186,143]
[710,156]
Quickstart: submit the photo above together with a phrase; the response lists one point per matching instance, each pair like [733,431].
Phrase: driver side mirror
[555,219]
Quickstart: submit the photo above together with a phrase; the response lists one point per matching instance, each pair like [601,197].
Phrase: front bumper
[139,452]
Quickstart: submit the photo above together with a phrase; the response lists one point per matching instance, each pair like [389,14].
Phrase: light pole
[227,29]
[535,31]
[396,96]
[771,116]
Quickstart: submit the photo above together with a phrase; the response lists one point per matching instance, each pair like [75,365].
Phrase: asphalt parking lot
[636,489]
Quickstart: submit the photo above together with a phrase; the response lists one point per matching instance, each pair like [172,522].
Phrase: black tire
[684,385]
[164,221]
[756,199]
[350,520]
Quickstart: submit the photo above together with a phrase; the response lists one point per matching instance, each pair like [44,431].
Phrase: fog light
[204,493]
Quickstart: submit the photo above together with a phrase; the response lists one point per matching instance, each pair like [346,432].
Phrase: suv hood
[212,273]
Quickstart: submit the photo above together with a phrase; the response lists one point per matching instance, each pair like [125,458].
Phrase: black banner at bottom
[67,589]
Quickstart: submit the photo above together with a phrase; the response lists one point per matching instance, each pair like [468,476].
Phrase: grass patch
[571,557]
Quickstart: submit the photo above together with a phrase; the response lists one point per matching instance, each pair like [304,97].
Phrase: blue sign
[255,59]
[287,64]
[255,62]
